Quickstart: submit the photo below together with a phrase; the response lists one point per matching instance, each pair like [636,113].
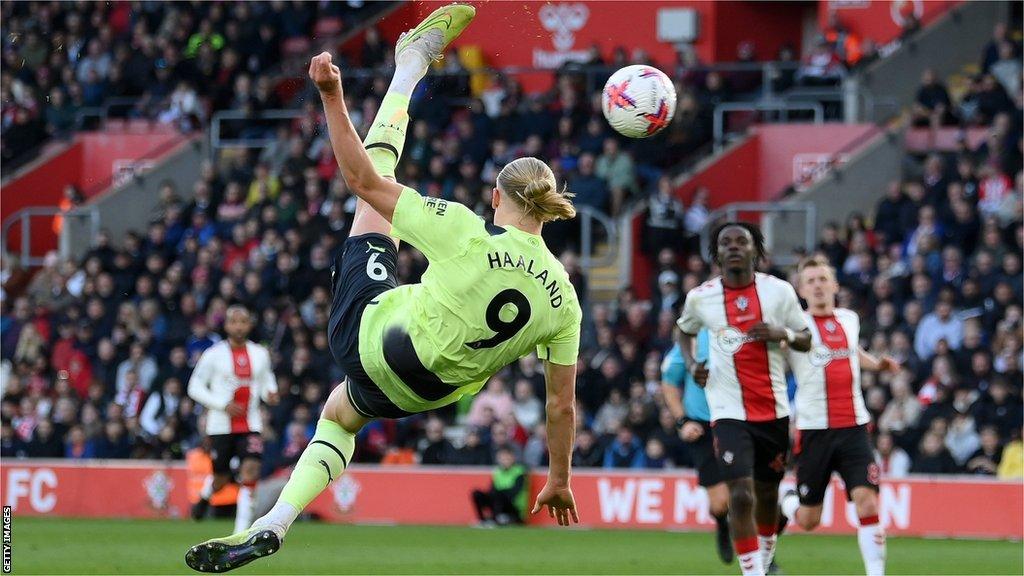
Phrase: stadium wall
[130,204]
[855,182]
[917,506]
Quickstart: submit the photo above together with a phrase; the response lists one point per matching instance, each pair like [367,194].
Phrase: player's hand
[691,431]
[767,333]
[273,399]
[889,364]
[324,74]
[235,409]
[700,374]
[561,505]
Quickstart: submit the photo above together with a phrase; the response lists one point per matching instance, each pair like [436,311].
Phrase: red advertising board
[922,506]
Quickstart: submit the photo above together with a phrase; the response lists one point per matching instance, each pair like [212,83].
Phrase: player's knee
[809,518]
[866,502]
[718,502]
[741,499]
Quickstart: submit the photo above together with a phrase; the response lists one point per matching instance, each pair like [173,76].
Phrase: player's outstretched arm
[871,362]
[360,175]
[561,420]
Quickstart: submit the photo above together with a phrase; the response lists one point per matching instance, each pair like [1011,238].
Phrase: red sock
[869,520]
[746,545]
[766,530]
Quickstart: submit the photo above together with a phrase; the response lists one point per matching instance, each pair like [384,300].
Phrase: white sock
[766,546]
[246,507]
[789,504]
[750,564]
[207,490]
[871,538]
[279,519]
[410,68]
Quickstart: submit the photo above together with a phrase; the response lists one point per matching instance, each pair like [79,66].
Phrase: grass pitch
[64,546]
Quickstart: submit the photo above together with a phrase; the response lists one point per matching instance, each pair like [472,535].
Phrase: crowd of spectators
[172,62]
[993,90]
[97,353]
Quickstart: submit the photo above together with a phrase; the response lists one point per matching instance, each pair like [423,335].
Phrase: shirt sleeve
[199,385]
[673,369]
[436,227]
[565,346]
[703,352]
[794,318]
[690,322]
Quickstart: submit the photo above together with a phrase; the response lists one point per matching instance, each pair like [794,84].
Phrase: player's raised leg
[415,51]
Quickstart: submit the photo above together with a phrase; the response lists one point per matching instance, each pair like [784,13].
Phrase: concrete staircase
[603,282]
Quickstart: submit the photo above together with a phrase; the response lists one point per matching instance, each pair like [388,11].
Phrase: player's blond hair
[815,261]
[530,183]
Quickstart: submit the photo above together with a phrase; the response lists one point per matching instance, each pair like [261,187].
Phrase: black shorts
[224,448]
[365,267]
[847,451]
[702,450]
[752,449]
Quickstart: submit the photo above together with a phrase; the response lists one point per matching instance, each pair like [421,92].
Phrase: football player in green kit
[492,293]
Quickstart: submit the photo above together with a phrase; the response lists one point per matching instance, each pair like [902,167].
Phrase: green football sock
[322,462]
[386,138]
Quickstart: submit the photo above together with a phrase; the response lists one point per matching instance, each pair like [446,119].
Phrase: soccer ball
[638,101]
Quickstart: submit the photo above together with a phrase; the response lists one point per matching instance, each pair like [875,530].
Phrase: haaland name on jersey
[497,260]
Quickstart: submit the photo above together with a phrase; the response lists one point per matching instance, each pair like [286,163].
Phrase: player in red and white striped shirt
[749,315]
[230,379]
[831,416]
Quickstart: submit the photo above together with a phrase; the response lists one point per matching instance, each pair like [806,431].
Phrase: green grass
[61,546]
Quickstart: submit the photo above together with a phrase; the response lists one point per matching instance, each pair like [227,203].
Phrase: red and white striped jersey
[748,377]
[224,375]
[828,391]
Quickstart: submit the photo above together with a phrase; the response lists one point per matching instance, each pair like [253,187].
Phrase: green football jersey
[490,295]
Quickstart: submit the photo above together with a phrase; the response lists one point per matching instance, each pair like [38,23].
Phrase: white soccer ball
[638,101]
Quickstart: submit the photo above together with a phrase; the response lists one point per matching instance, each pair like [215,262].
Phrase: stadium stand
[96,353]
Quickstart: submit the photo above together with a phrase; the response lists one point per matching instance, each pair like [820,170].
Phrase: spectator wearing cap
[668,297]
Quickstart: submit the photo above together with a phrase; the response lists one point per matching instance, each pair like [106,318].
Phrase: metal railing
[731,212]
[587,216]
[24,218]
[217,141]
